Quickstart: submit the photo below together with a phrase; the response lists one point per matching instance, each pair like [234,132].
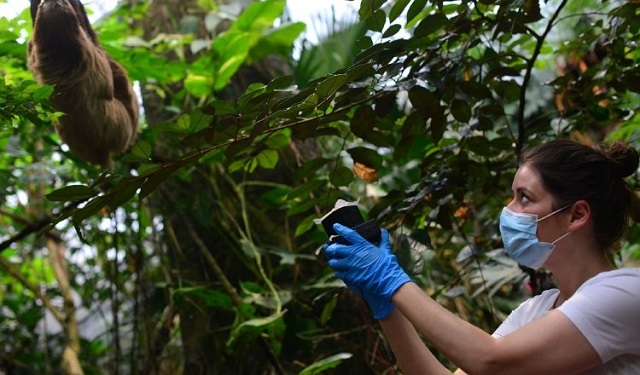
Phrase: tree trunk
[199,237]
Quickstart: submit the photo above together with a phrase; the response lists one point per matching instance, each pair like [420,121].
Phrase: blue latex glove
[379,306]
[373,270]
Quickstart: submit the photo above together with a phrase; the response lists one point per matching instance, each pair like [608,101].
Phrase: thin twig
[527,76]
[36,226]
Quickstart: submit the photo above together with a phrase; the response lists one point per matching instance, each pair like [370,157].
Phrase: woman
[570,206]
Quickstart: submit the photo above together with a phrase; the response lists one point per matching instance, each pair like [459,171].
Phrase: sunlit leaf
[268,159]
[325,364]
[140,152]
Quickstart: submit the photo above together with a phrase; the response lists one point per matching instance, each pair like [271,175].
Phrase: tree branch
[527,77]
[35,226]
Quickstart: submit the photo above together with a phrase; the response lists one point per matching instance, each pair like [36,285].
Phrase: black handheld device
[349,215]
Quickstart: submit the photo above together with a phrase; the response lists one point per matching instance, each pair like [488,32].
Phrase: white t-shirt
[606,309]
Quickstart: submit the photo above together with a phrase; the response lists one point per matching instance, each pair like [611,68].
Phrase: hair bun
[624,158]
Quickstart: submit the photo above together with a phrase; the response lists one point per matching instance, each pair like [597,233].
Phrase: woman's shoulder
[621,277]
[606,309]
[622,272]
[617,290]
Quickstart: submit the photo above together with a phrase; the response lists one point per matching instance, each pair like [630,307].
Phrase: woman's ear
[580,215]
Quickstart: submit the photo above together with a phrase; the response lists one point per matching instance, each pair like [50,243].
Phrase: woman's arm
[412,355]
[551,344]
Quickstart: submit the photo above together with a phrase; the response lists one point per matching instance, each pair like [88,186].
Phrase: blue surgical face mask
[519,235]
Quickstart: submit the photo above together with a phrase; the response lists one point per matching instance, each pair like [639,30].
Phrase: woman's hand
[369,270]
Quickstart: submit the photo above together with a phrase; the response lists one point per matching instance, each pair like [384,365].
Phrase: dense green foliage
[199,246]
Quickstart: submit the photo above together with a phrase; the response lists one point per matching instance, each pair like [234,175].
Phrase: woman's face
[529,196]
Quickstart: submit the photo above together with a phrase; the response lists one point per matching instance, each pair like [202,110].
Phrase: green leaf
[251,92]
[123,194]
[438,123]
[325,364]
[341,176]
[306,130]
[157,178]
[363,125]
[278,140]
[281,83]
[368,8]
[424,101]
[391,31]
[237,147]
[331,85]
[252,326]
[417,6]
[479,145]
[278,41]
[397,9]
[475,89]
[366,156]
[268,159]
[461,110]
[232,49]
[259,16]
[328,309]
[43,92]
[377,21]
[199,85]
[211,298]
[72,193]
[305,225]
[219,108]
[310,167]
[430,25]
[89,209]
[183,122]
[140,152]
[169,127]
[507,90]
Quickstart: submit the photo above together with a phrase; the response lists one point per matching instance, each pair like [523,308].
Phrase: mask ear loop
[561,237]
[553,213]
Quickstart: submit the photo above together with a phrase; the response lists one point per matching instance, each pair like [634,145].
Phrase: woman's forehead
[528,179]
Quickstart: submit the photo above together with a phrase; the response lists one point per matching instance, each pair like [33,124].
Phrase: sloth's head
[61,13]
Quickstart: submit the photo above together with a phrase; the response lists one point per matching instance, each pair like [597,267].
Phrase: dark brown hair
[571,171]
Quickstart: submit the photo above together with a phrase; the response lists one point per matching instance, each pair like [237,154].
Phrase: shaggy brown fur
[101,109]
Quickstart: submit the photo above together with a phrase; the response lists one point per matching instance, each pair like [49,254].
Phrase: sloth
[90,88]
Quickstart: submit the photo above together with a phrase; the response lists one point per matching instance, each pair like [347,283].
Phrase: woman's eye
[524,198]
